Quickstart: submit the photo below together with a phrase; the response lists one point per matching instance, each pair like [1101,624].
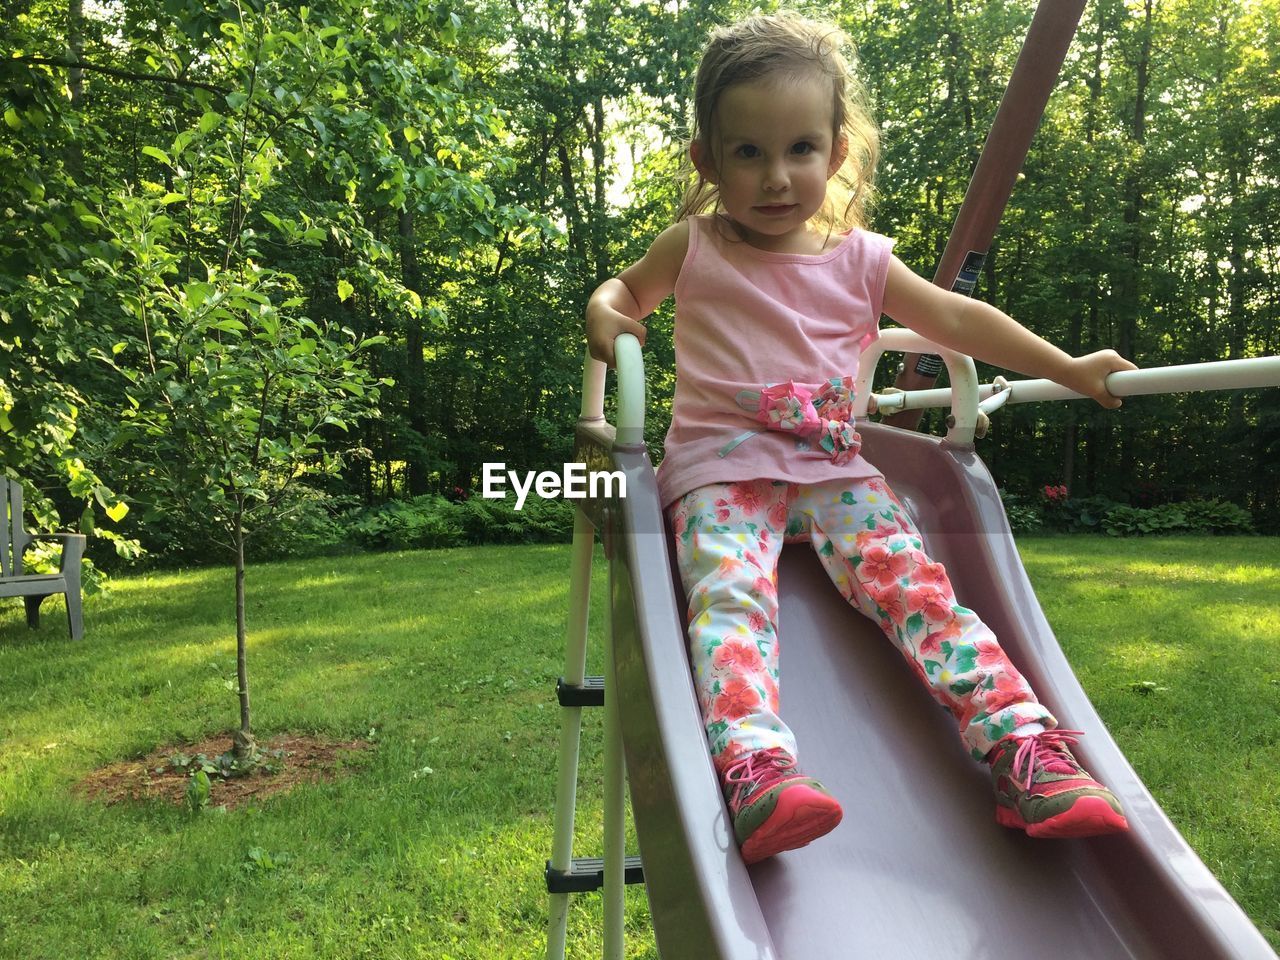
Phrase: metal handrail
[1181,378]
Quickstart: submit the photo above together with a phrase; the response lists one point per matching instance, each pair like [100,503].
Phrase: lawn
[431,843]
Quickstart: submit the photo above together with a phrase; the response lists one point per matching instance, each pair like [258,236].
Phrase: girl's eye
[803,148]
[748,152]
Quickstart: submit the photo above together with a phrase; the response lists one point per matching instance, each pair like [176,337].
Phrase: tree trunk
[415,370]
[599,248]
[75,80]
[244,745]
[1075,330]
[1130,298]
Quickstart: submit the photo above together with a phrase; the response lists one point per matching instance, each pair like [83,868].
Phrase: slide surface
[918,868]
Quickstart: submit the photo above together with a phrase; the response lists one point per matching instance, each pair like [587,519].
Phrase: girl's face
[771,154]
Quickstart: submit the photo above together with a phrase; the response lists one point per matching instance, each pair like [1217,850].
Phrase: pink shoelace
[756,769]
[1044,750]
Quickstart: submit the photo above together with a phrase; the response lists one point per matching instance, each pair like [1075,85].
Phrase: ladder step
[590,694]
[586,874]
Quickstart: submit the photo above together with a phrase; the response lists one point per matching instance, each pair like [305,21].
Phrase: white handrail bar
[962,396]
[1182,378]
[593,372]
[630,361]
[630,389]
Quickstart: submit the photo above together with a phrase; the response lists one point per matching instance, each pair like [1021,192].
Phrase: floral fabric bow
[824,417]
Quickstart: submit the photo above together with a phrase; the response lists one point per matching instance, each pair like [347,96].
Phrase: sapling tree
[233,394]
[234,397]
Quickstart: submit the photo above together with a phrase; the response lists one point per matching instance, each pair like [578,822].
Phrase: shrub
[433,521]
[1051,508]
[426,521]
[1127,521]
[1079,514]
[1217,516]
[1193,516]
[1023,516]
[498,521]
[309,526]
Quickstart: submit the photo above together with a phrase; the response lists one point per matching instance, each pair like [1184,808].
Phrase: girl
[778,288]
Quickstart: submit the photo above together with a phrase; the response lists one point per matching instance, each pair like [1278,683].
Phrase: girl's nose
[775,178]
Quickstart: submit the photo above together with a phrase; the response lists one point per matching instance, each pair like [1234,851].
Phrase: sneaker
[774,806]
[1040,788]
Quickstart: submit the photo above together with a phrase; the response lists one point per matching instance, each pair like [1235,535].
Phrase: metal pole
[1185,378]
[575,665]
[1033,80]
[615,889]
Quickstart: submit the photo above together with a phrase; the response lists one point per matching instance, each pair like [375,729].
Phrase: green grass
[1177,641]
[433,845]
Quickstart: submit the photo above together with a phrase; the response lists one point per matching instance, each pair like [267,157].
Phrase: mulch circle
[306,759]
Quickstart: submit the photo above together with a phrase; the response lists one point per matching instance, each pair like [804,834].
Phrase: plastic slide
[918,868]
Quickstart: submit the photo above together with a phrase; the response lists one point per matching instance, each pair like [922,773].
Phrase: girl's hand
[604,324]
[1088,375]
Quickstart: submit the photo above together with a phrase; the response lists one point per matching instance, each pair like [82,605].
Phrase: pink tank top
[767,347]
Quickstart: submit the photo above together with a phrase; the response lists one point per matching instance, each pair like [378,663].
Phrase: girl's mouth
[776,209]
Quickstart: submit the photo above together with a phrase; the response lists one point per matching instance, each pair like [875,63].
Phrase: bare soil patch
[306,759]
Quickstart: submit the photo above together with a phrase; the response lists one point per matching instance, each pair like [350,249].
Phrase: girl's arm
[985,333]
[620,303]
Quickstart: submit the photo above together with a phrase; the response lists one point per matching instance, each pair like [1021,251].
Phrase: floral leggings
[728,538]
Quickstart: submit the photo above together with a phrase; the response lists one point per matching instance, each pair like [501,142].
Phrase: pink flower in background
[1055,494]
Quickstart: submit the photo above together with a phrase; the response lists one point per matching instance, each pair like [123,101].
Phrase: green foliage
[1023,515]
[1216,516]
[498,521]
[1124,521]
[426,521]
[198,788]
[456,178]
[225,765]
[434,521]
[1194,516]
[1054,510]
[1079,514]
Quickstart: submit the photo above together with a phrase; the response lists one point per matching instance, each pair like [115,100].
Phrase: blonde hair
[788,47]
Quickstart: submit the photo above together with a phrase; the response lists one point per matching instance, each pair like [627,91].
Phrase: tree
[233,397]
